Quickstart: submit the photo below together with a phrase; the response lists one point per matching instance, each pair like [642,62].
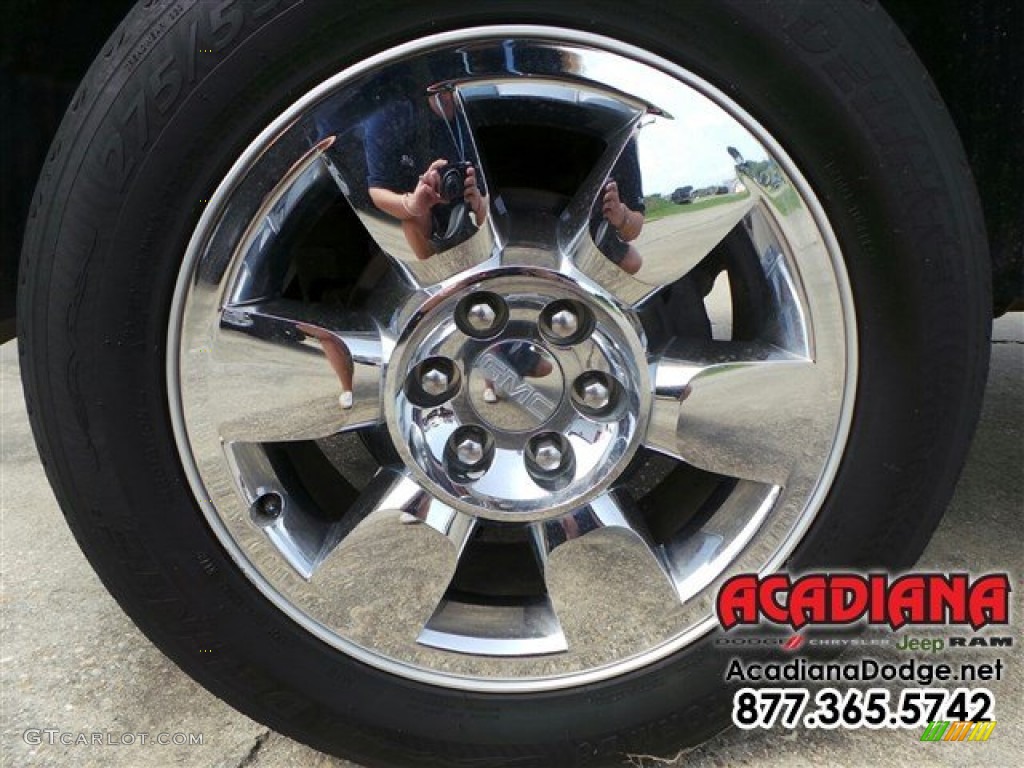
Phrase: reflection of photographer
[627,224]
[622,208]
[444,204]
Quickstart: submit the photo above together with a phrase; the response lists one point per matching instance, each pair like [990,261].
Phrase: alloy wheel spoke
[611,517]
[436,221]
[605,576]
[394,494]
[741,409]
[583,233]
[283,370]
[671,247]
[392,490]
[387,564]
[581,218]
[634,259]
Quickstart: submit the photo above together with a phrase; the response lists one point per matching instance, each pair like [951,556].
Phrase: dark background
[973,49]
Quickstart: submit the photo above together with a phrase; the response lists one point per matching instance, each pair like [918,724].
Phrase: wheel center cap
[517,395]
[515,385]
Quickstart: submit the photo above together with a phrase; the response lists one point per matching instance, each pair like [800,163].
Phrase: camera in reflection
[453,180]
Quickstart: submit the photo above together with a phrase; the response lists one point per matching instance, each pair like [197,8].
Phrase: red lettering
[906,601]
[771,607]
[807,601]
[737,601]
[848,598]
[877,604]
[989,601]
[947,599]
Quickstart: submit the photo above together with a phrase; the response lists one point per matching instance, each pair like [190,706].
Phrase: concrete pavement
[71,660]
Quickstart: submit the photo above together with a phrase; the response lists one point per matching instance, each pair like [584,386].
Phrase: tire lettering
[165,84]
[226,20]
[137,114]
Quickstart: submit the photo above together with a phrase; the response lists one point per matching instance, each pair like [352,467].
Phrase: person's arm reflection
[628,225]
[413,209]
[339,358]
[443,107]
[478,203]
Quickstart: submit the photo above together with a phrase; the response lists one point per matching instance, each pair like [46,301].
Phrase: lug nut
[481,316]
[470,451]
[550,461]
[434,381]
[564,323]
[548,455]
[595,395]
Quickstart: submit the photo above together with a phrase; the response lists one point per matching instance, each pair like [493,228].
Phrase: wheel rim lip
[223,194]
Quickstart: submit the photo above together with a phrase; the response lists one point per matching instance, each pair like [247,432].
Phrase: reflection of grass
[659,208]
[786,200]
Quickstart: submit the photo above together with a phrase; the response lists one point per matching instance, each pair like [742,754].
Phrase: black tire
[120,195]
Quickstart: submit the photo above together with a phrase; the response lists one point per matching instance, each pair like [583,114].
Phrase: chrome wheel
[457,470]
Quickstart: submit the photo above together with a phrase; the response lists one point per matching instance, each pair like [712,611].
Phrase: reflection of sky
[689,150]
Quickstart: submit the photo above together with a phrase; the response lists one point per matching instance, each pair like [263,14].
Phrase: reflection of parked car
[765,172]
[682,195]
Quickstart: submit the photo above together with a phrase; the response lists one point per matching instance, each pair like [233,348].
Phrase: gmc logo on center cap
[512,385]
